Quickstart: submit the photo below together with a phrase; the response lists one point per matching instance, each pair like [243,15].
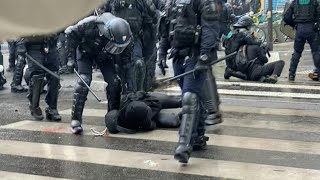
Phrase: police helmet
[117,30]
[244,22]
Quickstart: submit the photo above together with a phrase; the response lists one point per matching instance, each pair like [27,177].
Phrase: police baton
[42,67]
[194,70]
[94,94]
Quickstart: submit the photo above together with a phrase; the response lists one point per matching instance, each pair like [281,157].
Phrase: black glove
[203,62]
[162,65]
[71,64]
[265,48]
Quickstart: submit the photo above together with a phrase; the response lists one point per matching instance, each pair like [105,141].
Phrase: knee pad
[139,63]
[189,103]
[21,62]
[81,88]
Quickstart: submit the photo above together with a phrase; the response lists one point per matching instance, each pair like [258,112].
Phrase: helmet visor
[116,48]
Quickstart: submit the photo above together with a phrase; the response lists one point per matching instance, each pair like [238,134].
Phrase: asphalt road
[269,132]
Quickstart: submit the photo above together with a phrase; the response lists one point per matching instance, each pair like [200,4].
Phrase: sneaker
[36,113]
[314,76]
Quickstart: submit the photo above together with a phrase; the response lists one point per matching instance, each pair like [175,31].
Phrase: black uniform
[2,78]
[237,38]
[149,28]
[43,50]
[98,39]
[191,29]
[135,12]
[16,85]
[62,52]
[12,55]
[226,17]
[305,17]
[142,111]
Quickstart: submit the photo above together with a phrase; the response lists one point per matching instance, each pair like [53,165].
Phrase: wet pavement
[269,132]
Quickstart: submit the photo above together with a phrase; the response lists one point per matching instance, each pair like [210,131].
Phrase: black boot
[16,86]
[271,79]
[190,108]
[211,100]
[76,114]
[200,143]
[34,96]
[52,99]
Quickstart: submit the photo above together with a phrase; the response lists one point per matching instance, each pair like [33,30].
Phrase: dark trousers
[12,53]
[258,71]
[107,67]
[192,83]
[305,33]
[50,61]
[150,55]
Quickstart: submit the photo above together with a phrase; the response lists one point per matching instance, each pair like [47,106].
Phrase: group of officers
[120,40]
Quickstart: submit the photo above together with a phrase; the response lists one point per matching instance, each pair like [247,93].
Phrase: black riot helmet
[244,22]
[117,30]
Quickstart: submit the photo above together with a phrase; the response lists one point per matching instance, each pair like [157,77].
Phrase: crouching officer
[142,111]
[304,16]
[97,39]
[239,36]
[191,29]
[43,50]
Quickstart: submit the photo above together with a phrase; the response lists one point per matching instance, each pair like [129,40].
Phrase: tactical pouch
[183,36]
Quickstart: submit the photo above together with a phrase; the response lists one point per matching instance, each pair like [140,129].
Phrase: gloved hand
[265,48]
[162,65]
[71,64]
[203,62]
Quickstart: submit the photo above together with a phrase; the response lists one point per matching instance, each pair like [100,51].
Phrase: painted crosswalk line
[5,175]
[172,136]
[176,91]
[156,162]
[239,109]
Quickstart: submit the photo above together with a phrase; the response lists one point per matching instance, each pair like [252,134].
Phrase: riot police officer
[250,62]
[239,36]
[43,50]
[304,16]
[97,39]
[193,45]
[135,12]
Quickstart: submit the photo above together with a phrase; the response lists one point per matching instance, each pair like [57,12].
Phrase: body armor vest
[129,11]
[304,11]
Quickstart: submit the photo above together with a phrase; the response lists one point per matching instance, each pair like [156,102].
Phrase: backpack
[242,62]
